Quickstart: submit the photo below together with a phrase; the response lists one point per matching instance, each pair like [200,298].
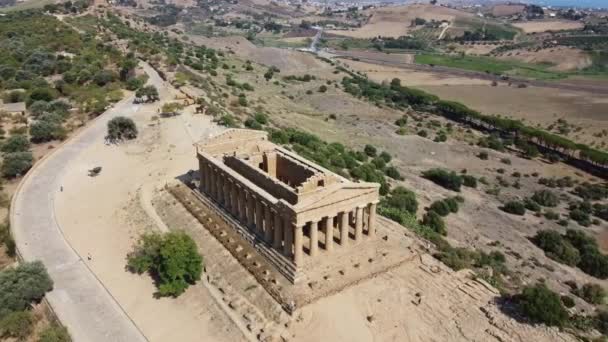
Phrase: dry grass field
[396,21]
[563,58]
[548,25]
[507,9]
[535,105]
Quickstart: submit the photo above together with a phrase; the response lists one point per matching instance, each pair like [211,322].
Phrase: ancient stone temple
[290,204]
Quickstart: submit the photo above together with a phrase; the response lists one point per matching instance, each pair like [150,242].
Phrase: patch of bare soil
[286,60]
[534,105]
[395,21]
[507,9]
[563,58]
[381,73]
[548,25]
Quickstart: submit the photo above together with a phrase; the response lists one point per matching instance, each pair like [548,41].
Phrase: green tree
[17,163]
[172,259]
[541,305]
[22,285]
[121,128]
[16,143]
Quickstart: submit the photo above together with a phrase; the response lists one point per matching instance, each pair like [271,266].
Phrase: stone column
[343,228]
[329,233]
[259,217]
[359,224]
[371,223]
[234,201]
[220,193]
[297,242]
[227,193]
[288,231]
[314,238]
[202,173]
[278,231]
[211,183]
[250,211]
[267,223]
[243,205]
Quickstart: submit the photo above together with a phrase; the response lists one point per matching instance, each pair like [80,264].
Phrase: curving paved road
[79,299]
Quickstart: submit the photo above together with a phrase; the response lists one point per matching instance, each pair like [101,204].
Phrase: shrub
[55,333]
[546,198]
[531,205]
[23,285]
[386,156]
[448,180]
[261,118]
[591,293]
[402,121]
[440,207]
[514,207]
[393,173]
[541,305]
[441,137]
[452,203]
[251,123]
[16,143]
[370,150]
[483,155]
[17,163]
[121,128]
[401,199]
[568,301]
[17,324]
[556,247]
[322,88]
[580,217]
[172,259]
[422,133]
[551,215]
[227,120]
[38,108]
[469,181]
[434,221]
[47,130]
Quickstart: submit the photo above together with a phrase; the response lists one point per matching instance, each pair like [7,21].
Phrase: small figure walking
[61,188]
[89,256]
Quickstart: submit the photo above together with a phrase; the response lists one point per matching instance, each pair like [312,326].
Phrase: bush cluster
[22,286]
[447,179]
[574,248]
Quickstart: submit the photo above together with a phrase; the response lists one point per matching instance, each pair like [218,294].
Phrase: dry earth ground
[535,105]
[563,58]
[395,21]
[548,25]
[505,10]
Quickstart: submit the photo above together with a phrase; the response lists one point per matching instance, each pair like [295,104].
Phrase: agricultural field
[548,25]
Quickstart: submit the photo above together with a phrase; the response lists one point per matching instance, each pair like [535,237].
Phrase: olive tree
[121,128]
